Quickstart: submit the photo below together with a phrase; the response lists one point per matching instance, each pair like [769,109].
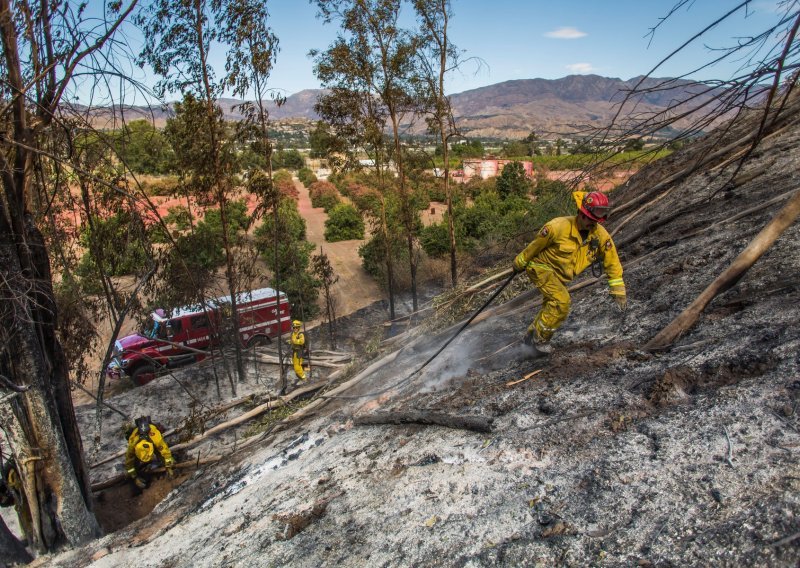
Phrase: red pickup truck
[262,315]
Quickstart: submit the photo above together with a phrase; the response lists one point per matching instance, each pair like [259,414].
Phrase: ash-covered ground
[609,456]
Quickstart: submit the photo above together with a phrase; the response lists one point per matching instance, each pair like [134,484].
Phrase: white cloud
[566,33]
[581,67]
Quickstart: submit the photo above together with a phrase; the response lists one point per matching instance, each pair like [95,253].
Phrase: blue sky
[525,39]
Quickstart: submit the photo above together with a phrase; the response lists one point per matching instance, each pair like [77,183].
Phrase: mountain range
[514,109]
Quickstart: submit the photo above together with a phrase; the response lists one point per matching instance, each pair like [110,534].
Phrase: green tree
[144,148]
[343,224]
[178,37]
[289,159]
[437,57]
[291,257]
[323,142]
[374,57]
[323,271]
[513,181]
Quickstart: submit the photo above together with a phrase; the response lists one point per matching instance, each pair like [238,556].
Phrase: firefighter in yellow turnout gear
[147,451]
[562,249]
[298,343]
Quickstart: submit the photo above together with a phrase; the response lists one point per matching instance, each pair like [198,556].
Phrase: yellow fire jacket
[298,340]
[138,452]
[559,247]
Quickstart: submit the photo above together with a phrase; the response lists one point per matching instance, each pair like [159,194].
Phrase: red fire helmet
[595,206]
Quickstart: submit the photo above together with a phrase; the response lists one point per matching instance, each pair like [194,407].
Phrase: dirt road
[355,288]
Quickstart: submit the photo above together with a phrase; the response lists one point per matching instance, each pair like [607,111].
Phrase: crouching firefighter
[147,452]
[562,249]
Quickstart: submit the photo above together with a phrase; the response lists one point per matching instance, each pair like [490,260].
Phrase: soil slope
[610,456]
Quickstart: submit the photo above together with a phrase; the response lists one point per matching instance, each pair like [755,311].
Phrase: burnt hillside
[610,455]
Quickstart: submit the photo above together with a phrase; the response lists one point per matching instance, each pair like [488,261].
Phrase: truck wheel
[143,375]
[259,341]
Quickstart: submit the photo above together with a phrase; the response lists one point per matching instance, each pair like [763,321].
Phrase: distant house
[485,168]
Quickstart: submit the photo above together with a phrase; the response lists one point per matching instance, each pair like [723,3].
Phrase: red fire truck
[163,342]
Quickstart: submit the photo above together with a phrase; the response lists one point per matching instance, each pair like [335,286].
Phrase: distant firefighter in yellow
[298,343]
[147,451]
[562,249]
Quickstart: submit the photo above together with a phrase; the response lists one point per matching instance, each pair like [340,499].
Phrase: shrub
[344,223]
[306,176]
[435,240]
[323,194]
[160,186]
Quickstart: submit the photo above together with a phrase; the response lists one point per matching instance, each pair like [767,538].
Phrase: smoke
[472,354]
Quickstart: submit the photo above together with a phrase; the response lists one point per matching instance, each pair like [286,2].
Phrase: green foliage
[516,149]
[467,149]
[288,159]
[513,181]
[179,216]
[165,185]
[344,223]
[291,225]
[281,176]
[373,256]
[202,248]
[323,142]
[323,194]
[633,145]
[292,258]
[115,245]
[200,153]
[306,176]
[236,216]
[144,149]
[435,240]
[580,161]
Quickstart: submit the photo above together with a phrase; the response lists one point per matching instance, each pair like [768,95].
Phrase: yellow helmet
[297,323]
[144,451]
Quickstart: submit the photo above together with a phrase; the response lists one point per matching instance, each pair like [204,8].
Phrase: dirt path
[355,289]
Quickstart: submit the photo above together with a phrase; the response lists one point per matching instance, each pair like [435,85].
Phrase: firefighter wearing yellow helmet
[298,343]
[147,451]
[562,249]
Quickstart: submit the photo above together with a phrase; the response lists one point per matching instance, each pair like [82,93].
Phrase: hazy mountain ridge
[511,109]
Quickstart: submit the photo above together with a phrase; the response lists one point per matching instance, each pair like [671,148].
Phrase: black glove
[515,269]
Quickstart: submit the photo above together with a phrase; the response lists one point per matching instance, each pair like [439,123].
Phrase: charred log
[473,423]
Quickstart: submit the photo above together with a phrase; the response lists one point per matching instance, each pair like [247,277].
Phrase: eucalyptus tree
[179,36]
[372,60]
[46,47]
[437,56]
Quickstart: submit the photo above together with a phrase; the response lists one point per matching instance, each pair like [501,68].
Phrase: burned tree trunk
[759,245]
[474,423]
[11,549]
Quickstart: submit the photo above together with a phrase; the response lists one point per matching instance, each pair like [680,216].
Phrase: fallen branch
[785,540]
[729,458]
[258,410]
[171,431]
[758,246]
[473,423]
[269,359]
[525,378]
[121,478]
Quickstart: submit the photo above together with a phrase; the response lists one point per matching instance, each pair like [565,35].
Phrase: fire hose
[442,348]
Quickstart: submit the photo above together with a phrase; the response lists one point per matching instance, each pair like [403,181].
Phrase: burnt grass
[609,455]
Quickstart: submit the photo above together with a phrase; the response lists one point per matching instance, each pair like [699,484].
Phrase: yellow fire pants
[297,361]
[555,302]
